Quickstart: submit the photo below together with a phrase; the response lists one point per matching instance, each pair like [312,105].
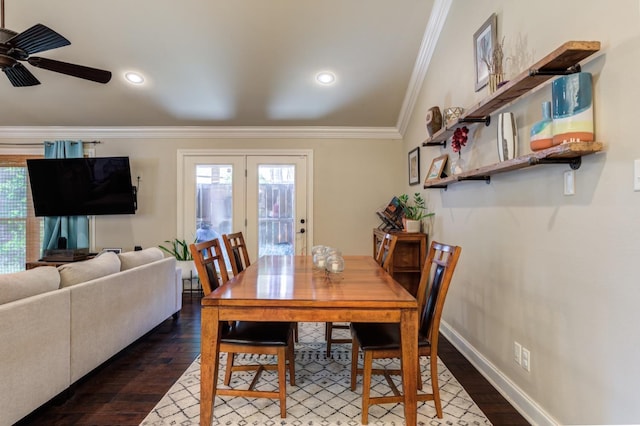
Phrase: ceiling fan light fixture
[326,78]
[134,77]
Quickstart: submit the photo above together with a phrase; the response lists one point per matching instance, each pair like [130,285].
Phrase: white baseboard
[526,406]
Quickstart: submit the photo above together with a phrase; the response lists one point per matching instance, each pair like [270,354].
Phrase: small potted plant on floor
[414,211]
[180,250]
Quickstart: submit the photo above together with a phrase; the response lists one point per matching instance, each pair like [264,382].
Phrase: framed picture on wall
[414,166]
[483,42]
[436,168]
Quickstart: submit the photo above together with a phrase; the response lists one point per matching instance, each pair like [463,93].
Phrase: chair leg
[292,363]
[227,373]
[419,375]
[354,363]
[433,361]
[366,386]
[295,332]
[328,333]
[282,381]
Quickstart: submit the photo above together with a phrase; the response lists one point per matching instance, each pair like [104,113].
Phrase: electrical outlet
[526,359]
[517,352]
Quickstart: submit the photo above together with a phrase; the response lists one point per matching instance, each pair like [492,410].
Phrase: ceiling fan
[17,47]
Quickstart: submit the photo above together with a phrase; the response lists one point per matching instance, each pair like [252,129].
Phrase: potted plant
[414,211]
[180,250]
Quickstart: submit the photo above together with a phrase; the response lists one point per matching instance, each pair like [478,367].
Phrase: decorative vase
[542,131]
[507,136]
[411,225]
[434,120]
[572,97]
[457,165]
[495,81]
[188,268]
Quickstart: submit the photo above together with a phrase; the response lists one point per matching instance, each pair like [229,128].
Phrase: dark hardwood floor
[126,388]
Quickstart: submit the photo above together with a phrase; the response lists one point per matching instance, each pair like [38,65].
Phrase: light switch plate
[636,175]
[570,182]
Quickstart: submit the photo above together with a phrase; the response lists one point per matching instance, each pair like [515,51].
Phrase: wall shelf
[568,153]
[563,60]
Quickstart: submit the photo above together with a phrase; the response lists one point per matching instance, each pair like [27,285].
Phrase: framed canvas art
[414,166]
[484,41]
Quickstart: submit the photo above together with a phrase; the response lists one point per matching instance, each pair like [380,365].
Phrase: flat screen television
[81,186]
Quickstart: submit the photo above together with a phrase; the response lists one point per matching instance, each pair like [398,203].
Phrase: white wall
[352,179]
[555,273]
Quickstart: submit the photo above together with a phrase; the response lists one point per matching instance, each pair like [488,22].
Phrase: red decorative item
[459,138]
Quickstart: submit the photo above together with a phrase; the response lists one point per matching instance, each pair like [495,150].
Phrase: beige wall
[352,179]
[556,273]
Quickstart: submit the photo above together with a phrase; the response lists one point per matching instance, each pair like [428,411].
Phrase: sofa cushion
[131,259]
[19,285]
[79,272]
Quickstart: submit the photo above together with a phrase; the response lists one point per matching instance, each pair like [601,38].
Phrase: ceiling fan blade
[80,71]
[20,76]
[38,39]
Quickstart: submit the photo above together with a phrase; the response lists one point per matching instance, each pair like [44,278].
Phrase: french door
[265,196]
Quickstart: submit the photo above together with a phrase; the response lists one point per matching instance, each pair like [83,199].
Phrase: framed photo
[483,42]
[437,167]
[414,166]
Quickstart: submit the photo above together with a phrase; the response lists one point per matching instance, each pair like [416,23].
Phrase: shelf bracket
[486,120]
[486,179]
[571,70]
[574,163]
[436,143]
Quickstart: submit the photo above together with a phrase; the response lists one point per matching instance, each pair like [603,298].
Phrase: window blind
[20,231]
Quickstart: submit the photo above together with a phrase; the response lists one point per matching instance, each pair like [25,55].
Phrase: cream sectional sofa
[58,324]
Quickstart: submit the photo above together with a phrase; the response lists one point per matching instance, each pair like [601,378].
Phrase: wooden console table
[408,257]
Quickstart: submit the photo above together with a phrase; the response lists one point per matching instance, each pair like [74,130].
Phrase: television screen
[81,186]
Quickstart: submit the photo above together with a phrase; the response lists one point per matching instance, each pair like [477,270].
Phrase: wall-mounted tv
[81,186]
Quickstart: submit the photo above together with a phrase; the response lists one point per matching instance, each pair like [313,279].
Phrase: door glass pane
[276,209]
[214,201]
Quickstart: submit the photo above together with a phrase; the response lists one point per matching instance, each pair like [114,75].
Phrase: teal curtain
[74,228]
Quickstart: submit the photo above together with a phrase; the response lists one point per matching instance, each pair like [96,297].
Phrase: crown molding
[432,32]
[197,132]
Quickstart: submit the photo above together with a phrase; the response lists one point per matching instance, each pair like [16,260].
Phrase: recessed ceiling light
[134,77]
[325,78]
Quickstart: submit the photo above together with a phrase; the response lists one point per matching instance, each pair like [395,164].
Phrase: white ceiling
[229,63]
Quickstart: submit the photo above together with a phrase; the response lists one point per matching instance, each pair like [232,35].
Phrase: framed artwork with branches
[484,42]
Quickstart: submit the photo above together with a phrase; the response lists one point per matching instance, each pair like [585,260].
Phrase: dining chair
[271,338]
[382,340]
[384,257]
[239,259]
[237,252]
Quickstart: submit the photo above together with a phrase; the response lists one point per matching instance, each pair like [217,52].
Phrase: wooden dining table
[289,288]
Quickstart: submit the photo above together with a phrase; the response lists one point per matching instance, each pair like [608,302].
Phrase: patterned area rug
[321,397]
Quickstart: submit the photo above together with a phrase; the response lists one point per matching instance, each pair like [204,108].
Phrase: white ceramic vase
[188,268]
[412,225]
[507,136]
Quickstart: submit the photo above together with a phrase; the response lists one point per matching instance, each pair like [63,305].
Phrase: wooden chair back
[210,264]
[237,252]
[387,246]
[434,284]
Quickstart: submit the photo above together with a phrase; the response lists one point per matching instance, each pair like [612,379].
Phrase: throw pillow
[78,272]
[131,259]
[20,285]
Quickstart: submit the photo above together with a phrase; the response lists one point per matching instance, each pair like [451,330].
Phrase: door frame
[183,154]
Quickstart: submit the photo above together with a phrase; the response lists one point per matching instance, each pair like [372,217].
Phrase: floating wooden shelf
[563,60]
[568,153]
